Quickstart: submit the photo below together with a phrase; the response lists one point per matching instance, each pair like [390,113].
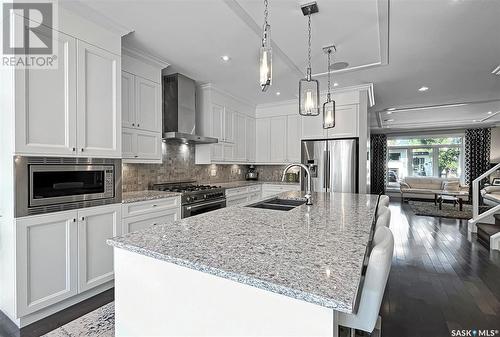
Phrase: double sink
[278,204]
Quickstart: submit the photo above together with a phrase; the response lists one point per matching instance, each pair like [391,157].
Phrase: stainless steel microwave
[45,184]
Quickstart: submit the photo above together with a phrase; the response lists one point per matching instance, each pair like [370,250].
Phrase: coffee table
[455,196]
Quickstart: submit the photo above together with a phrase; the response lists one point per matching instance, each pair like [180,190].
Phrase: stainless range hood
[179,110]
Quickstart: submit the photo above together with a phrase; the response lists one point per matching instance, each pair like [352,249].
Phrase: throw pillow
[452,186]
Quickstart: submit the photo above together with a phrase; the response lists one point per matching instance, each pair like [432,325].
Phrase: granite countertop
[312,253]
[136,196]
[243,183]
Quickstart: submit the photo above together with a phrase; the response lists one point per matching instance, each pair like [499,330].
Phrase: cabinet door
[228,150]
[263,135]
[129,143]
[240,137]
[46,247]
[128,100]
[98,98]
[95,256]
[218,122]
[236,200]
[147,104]
[312,127]
[250,140]
[346,122]
[229,125]
[46,104]
[278,139]
[293,139]
[148,145]
[216,152]
[141,222]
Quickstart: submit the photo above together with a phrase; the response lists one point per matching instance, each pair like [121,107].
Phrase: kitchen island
[245,271]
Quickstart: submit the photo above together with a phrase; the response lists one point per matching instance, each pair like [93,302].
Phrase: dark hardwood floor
[440,280]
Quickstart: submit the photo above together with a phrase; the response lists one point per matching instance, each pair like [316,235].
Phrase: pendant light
[265,63]
[329,105]
[309,88]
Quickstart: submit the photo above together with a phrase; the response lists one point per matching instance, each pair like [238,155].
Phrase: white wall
[495,145]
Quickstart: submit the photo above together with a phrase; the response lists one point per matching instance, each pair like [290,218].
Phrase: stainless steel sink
[278,204]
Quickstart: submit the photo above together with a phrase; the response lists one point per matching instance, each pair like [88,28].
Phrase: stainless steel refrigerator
[333,164]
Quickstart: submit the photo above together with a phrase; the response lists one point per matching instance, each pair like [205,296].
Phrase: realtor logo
[28,34]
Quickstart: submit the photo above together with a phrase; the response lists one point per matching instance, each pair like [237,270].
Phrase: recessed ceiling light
[422,89]
[225,58]
[489,112]
[278,93]
[335,84]
[389,120]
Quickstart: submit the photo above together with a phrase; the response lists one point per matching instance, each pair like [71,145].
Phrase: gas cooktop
[192,192]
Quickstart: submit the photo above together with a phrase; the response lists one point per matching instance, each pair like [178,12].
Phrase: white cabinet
[218,122]
[312,127]
[278,139]
[241,195]
[147,104]
[263,142]
[47,260]
[59,255]
[250,140]
[145,145]
[293,137]
[98,102]
[46,104]
[346,122]
[144,214]
[128,100]
[269,190]
[141,119]
[228,125]
[240,137]
[95,256]
[228,152]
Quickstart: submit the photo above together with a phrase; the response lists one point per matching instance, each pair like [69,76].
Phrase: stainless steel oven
[202,207]
[54,184]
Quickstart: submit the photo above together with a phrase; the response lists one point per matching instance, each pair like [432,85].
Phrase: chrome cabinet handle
[74,219]
[83,218]
[133,124]
[73,149]
[155,205]
[82,149]
[138,125]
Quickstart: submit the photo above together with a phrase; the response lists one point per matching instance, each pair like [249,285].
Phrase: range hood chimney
[179,110]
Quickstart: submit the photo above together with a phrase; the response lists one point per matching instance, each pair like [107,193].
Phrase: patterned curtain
[378,163]
[477,154]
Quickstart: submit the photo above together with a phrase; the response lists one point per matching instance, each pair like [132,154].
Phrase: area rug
[429,209]
[97,323]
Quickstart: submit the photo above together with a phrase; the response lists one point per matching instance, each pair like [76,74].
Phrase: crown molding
[211,86]
[82,9]
[144,56]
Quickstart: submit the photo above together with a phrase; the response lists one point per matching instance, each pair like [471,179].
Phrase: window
[423,156]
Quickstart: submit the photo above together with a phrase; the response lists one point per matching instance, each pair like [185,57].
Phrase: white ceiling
[451,46]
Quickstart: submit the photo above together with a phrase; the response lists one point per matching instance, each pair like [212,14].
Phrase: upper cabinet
[141,107]
[74,109]
[98,101]
[231,121]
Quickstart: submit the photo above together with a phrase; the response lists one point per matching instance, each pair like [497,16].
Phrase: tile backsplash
[179,165]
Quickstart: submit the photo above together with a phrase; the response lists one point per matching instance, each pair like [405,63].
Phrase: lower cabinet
[269,190]
[240,195]
[236,200]
[144,214]
[61,254]
[95,256]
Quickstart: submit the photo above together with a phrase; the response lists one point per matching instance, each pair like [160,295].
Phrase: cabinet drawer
[145,207]
[254,188]
[236,200]
[236,191]
[254,196]
[140,222]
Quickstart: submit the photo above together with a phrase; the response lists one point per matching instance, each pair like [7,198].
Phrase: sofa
[491,195]
[428,187]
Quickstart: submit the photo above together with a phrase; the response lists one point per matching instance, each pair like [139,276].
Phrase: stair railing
[476,217]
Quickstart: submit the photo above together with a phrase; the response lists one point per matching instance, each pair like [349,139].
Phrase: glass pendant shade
[309,96]
[329,113]
[266,58]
